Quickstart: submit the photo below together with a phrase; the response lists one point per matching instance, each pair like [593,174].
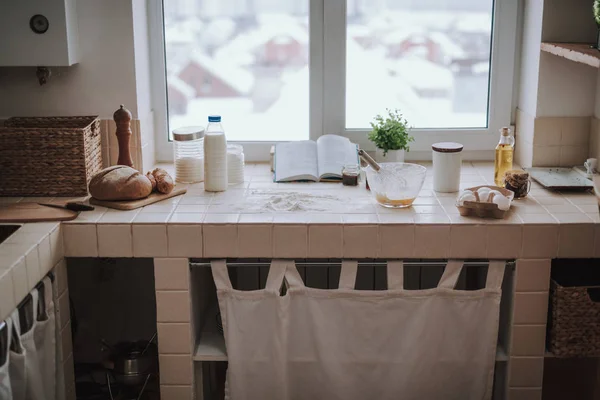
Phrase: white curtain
[346,344]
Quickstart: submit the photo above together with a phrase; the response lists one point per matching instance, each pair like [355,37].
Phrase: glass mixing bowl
[396,185]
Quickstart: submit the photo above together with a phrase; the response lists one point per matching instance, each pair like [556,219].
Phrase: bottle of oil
[504,156]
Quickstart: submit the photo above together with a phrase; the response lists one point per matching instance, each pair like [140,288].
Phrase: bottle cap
[214,118]
[505,131]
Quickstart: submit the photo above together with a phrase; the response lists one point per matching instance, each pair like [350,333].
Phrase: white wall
[568,21]
[105,77]
[142,57]
[530,56]
[566,88]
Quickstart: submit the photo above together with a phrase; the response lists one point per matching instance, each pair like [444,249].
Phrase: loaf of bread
[164,182]
[119,183]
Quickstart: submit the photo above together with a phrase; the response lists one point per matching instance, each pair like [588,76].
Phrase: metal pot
[131,365]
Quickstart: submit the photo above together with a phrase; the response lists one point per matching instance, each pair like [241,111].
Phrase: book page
[296,161]
[334,152]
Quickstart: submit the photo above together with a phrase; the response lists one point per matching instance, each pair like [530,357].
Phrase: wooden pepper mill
[122,119]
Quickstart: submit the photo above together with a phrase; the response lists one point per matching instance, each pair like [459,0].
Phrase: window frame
[327,81]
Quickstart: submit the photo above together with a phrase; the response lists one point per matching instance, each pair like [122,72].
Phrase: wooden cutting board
[33,212]
[133,204]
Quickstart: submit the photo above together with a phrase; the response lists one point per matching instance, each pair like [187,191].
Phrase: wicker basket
[49,156]
[574,315]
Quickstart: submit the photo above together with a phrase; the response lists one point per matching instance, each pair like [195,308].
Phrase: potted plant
[391,136]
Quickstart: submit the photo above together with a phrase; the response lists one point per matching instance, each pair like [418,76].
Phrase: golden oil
[505,151]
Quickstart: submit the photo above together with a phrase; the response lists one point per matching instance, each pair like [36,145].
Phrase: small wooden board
[33,212]
[133,204]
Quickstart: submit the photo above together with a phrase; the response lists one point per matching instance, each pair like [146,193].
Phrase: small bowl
[396,193]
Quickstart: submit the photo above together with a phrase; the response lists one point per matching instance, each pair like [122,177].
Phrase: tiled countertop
[329,220]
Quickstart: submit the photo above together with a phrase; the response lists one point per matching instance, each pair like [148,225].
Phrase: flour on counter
[272,201]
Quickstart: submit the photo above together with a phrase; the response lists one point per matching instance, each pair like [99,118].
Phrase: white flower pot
[391,156]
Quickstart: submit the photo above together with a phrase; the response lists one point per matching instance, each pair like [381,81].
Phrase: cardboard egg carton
[485,209]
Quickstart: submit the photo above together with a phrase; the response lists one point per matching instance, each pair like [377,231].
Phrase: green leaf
[391,132]
[597,12]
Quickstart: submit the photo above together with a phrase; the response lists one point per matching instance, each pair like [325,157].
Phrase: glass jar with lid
[188,151]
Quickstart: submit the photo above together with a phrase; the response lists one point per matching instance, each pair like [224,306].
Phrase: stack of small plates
[235,164]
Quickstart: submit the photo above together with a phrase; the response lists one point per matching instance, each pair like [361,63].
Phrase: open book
[308,160]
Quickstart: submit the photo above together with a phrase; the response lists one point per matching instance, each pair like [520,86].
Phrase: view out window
[281,70]
[428,58]
[244,60]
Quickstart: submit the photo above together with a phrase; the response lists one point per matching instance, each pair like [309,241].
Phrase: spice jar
[447,160]
[188,149]
[350,173]
[518,181]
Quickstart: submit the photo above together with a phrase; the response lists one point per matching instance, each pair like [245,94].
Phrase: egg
[502,201]
[466,196]
[492,195]
[484,194]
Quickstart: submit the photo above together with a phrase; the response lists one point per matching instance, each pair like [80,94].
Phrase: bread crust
[120,182]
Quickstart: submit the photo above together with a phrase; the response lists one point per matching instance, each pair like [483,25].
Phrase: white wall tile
[530,308]
[32,263]
[63,310]
[171,274]
[504,241]
[19,280]
[396,241]
[115,240]
[80,240]
[325,241]
[220,240]
[526,371]
[67,342]
[532,275]
[576,241]
[540,241]
[361,241]
[175,369]
[432,241]
[290,241]
[255,240]
[149,240]
[7,295]
[45,256]
[172,306]
[572,155]
[174,338]
[528,340]
[176,392]
[57,248]
[468,241]
[185,240]
[61,277]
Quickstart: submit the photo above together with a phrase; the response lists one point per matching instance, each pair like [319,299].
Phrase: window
[280,70]
[430,60]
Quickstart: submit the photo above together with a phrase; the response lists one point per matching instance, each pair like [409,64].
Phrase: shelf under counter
[211,347]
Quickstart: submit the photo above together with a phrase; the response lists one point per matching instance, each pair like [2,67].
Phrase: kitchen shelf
[210,347]
[578,52]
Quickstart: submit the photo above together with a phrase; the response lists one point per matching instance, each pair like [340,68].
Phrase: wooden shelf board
[579,52]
